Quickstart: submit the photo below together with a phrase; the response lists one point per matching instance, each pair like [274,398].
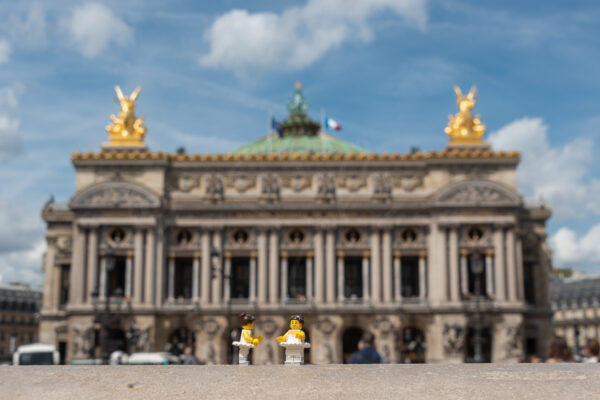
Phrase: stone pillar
[423,275]
[464,273]
[499,268]
[227,269]
[284,276]
[273,266]
[454,267]
[206,268]
[56,279]
[138,260]
[252,280]
[437,263]
[489,273]
[49,267]
[519,268]
[510,265]
[319,267]
[171,279]
[365,276]
[150,271]
[217,282]
[262,266]
[92,262]
[330,266]
[375,267]
[128,275]
[397,277]
[340,276]
[103,283]
[309,276]
[196,278]
[160,266]
[387,265]
[76,284]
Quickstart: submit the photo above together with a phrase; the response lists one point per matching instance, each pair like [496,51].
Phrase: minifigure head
[247,320]
[296,321]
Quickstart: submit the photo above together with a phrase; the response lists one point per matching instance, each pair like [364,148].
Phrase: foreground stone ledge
[519,381]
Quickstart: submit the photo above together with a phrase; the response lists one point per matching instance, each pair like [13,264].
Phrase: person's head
[366,340]
[247,320]
[558,349]
[592,347]
[296,321]
[187,351]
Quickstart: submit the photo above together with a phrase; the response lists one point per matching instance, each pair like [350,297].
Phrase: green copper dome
[298,134]
[320,143]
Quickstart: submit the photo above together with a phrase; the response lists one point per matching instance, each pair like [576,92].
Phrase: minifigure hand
[260,338]
[280,338]
[300,335]
[255,342]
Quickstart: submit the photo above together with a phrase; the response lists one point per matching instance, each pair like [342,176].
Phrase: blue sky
[212,72]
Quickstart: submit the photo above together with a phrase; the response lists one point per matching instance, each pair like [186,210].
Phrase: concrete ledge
[522,381]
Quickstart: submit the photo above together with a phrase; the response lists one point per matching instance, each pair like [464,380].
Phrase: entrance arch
[350,339]
[486,344]
[179,339]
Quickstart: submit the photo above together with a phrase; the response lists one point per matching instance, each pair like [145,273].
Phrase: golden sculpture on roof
[463,128]
[126,130]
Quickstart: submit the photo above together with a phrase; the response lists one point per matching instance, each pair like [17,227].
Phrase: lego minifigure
[293,341]
[247,341]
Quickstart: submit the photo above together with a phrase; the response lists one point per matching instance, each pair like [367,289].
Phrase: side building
[435,253]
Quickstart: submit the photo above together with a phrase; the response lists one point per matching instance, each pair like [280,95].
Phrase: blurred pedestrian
[592,348]
[559,351]
[188,357]
[366,353]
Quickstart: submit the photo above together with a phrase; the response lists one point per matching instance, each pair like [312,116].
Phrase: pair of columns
[398,276]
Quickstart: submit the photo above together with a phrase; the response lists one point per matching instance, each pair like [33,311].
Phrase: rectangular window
[353,278]
[116,277]
[409,285]
[529,281]
[183,278]
[240,278]
[63,295]
[476,274]
[297,278]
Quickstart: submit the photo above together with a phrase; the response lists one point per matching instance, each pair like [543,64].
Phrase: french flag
[332,124]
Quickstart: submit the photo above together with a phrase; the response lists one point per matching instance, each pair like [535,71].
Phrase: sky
[212,73]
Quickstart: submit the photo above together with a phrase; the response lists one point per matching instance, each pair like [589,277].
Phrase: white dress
[242,343]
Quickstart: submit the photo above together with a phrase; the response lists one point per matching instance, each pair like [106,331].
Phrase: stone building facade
[19,318]
[300,222]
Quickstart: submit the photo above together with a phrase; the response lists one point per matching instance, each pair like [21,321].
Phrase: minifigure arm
[283,338]
[301,335]
[247,336]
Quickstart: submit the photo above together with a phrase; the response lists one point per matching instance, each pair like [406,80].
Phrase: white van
[36,354]
[159,358]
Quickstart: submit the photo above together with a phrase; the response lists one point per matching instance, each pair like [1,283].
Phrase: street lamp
[477,269]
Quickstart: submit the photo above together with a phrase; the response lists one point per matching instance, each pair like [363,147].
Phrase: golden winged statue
[464,128]
[126,130]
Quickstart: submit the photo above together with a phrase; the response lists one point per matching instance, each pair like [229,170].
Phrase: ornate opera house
[434,252]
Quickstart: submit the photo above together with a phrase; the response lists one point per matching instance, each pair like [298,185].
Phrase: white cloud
[569,250]
[5,51]
[93,27]
[24,266]
[10,141]
[558,175]
[30,29]
[300,35]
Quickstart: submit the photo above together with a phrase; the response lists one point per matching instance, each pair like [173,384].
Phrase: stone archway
[350,339]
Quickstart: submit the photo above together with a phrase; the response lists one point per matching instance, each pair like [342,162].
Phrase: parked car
[36,354]
[159,358]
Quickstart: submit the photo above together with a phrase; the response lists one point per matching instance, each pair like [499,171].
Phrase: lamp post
[477,268]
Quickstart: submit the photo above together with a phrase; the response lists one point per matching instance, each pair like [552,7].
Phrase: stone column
[103,283]
[128,275]
[397,277]
[437,263]
[150,271]
[284,276]
[252,281]
[227,287]
[499,269]
[309,276]
[330,266]
[365,276]
[196,278]
[423,275]
[489,273]
[273,266]
[464,273]
[206,268]
[319,267]
[92,262]
[217,282]
[160,266]
[138,260]
[49,267]
[340,276]
[375,267]
[519,268]
[454,268]
[171,279]
[262,266]
[76,284]
[510,265]
[387,265]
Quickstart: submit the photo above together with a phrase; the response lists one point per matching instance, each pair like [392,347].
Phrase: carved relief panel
[410,237]
[297,182]
[296,238]
[240,239]
[475,236]
[353,238]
